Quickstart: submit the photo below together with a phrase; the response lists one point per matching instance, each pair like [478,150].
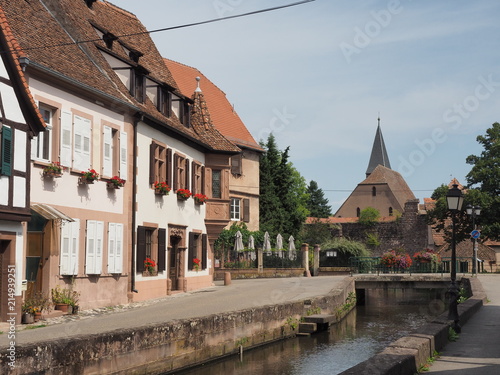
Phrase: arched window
[374,191]
[390,211]
[358,212]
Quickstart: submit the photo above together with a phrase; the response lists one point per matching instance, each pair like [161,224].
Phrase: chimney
[90,2]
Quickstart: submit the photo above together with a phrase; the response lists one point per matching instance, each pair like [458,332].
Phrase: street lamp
[473,212]
[454,200]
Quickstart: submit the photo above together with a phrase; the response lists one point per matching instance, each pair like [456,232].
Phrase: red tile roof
[223,115]
[60,38]
[13,52]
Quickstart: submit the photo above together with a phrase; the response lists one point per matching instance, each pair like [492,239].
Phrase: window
[75,141]
[358,212]
[164,101]
[115,248]
[41,144]
[114,153]
[197,249]
[6,151]
[236,164]
[198,178]
[160,161]
[70,234]
[235,209]
[216,184]
[94,247]
[151,243]
[390,211]
[181,172]
[374,191]
[138,87]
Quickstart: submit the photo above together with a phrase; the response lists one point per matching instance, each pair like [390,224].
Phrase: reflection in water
[387,316]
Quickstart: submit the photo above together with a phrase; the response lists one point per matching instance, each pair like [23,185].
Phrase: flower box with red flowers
[196,264]
[183,194]
[89,177]
[54,169]
[200,198]
[161,188]
[115,182]
[149,267]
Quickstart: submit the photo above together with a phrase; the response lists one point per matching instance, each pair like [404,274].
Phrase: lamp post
[473,212]
[454,200]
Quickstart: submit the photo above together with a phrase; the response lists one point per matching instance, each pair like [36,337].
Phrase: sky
[318,75]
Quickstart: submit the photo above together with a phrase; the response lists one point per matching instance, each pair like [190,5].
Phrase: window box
[115,183]
[52,170]
[200,198]
[88,177]
[52,174]
[161,188]
[183,194]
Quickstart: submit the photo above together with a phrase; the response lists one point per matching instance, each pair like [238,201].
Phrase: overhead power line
[176,27]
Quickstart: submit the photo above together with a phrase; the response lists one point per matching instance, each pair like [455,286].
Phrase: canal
[386,316]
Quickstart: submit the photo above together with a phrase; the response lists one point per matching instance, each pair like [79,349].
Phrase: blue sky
[317,75]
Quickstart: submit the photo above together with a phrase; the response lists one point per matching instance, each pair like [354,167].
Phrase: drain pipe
[137,118]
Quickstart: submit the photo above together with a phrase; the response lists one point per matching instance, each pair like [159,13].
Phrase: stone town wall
[160,348]
[409,232]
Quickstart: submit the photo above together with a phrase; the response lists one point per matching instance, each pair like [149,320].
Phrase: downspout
[134,204]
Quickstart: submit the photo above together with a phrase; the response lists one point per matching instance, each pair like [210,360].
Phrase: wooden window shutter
[152,162]
[204,251]
[193,178]
[162,247]
[6,166]
[175,181]
[236,164]
[141,248]
[123,155]
[186,162]
[192,249]
[246,210]
[168,165]
[202,180]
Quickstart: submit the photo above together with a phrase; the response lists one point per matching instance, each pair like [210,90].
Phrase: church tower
[379,152]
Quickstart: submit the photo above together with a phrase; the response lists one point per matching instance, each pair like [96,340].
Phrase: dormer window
[137,88]
[90,3]
[109,38]
[135,55]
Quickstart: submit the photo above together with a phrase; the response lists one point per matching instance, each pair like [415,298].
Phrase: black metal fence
[375,265]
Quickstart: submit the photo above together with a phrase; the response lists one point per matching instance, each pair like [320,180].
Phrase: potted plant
[33,307]
[62,298]
[149,265]
[161,188]
[196,264]
[183,194]
[89,177]
[115,182]
[200,198]
[54,169]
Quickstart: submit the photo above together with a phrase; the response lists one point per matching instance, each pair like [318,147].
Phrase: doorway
[174,262]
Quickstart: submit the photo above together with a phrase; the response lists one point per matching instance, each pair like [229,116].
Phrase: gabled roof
[396,182]
[12,53]
[223,115]
[379,153]
[61,39]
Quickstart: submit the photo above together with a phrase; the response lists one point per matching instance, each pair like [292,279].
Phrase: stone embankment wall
[406,355]
[253,273]
[172,345]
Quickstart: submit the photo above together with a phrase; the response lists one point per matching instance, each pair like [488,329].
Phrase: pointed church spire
[379,152]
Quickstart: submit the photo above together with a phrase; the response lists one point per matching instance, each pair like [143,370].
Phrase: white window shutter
[75,237]
[65,253]
[90,247]
[107,152]
[111,247]
[98,247]
[119,249]
[34,147]
[66,138]
[123,155]
[82,133]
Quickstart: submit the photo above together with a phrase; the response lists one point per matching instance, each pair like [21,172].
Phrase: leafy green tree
[317,204]
[316,232]
[283,196]
[484,177]
[369,216]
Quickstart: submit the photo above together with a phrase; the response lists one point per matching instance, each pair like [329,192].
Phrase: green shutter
[6,156]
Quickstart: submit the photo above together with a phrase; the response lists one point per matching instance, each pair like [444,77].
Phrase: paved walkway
[477,351]
[241,294]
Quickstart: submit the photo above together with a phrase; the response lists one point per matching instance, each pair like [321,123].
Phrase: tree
[369,216]
[484,177]
[283,195]
[317,204]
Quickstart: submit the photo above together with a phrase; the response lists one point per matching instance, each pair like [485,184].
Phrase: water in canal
[387,316]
